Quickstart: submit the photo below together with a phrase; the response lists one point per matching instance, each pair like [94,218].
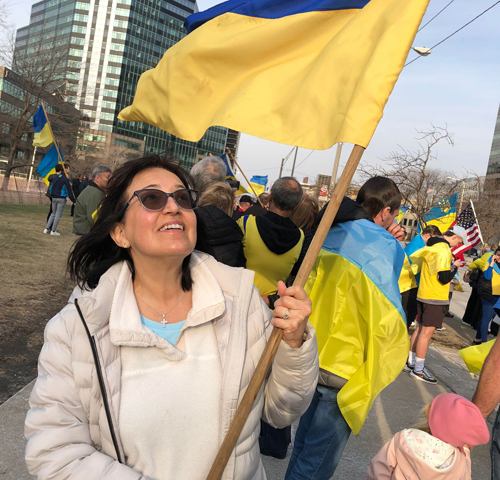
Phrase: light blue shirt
[170,332]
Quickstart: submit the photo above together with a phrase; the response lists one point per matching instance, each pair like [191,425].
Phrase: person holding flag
[60,189]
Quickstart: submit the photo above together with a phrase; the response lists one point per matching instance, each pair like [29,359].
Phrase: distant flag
[47,165]
[300,72]
[43,135]
[259,183]
[443,214]
[467,219]
[403,210]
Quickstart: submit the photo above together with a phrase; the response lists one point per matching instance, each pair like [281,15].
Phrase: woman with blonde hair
[141,373]
[218,234]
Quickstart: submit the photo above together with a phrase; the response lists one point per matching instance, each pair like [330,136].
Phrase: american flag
[467,219]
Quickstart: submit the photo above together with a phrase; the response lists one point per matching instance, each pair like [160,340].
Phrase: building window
[127,144]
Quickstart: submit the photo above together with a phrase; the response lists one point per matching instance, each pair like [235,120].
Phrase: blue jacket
[60,187]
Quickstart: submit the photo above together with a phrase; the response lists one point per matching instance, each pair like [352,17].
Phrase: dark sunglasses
[155,200]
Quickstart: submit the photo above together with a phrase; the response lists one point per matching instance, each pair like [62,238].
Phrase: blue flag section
[270,9]
[47,165]
[260,179]
[229,170]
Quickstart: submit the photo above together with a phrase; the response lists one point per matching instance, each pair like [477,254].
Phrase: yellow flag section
[430,260]
[475,356]
[407,279]
[299,72]
[258,188]
[360,324]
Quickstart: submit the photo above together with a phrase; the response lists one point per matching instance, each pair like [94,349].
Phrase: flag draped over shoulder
[443,215]
[47,165]
[43,136]
[359,321]
[309,73]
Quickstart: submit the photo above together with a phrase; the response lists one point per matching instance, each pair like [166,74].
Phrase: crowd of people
[178,285]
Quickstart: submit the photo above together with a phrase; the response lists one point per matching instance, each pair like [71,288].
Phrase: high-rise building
[108,45]
[492,181]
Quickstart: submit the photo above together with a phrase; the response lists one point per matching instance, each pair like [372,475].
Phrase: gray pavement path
[399,406]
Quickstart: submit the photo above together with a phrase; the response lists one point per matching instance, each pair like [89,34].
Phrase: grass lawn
[34,287]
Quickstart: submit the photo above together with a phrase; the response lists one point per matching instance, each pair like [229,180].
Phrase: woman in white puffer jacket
[141,373]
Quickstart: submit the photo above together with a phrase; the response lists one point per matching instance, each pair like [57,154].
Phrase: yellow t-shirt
[269,267]
[430,261]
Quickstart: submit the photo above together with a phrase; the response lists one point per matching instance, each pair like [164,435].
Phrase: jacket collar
[113,302]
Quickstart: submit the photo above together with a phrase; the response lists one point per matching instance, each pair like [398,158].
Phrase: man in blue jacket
[60,189]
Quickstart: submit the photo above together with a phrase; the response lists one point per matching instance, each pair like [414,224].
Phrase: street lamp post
[462,194]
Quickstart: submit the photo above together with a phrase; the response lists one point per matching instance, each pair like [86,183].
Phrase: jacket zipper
[100,377]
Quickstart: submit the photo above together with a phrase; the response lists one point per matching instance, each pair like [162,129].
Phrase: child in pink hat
[440,452]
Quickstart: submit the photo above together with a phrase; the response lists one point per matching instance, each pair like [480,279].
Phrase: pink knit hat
[455,420]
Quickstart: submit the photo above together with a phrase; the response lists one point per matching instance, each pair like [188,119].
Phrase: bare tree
[41,73]
[421,184]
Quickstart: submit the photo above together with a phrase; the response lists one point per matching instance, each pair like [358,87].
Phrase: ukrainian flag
[443,214]
[308,73]
[259,183]
[43,135]
[231,176]
[403,210]
[47,165]
[359,321]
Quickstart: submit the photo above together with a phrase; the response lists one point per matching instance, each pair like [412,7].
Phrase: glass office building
[109,44]
[492,181]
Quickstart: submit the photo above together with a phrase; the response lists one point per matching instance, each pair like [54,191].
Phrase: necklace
[163,321]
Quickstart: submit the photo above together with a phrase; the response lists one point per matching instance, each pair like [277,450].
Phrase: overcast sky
[457,85]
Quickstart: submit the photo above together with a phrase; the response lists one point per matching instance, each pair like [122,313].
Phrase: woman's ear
[118,235]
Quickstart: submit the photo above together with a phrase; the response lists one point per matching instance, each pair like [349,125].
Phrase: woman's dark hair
[378,193]
[94,253]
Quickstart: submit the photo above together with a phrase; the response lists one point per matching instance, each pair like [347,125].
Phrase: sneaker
[440,329]
[449,315]
[408,368]
[55,233]
[46,231]
[423,376]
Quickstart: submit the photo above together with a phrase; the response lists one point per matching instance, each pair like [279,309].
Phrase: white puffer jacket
[72,426]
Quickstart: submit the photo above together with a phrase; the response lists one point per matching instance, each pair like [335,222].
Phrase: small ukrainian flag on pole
[43,133]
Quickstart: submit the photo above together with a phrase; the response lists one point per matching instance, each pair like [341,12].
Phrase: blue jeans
[58,205]
[488,314]
[320,440]
[495,449]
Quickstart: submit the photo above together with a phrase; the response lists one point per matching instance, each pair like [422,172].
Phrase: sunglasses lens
[186,199]
[153,199]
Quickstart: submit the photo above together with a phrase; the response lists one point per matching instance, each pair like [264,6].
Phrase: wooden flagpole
[245,177]
[277,334]
[52,133]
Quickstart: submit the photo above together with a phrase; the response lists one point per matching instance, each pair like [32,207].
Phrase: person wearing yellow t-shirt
[433,262]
